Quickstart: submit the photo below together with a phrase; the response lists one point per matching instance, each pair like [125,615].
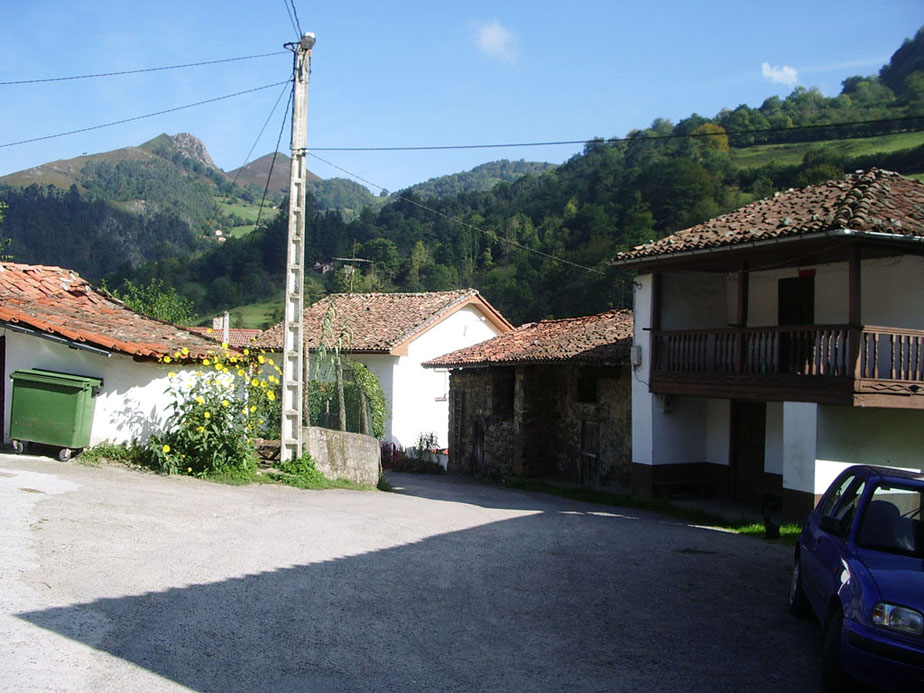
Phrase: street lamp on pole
[293,376]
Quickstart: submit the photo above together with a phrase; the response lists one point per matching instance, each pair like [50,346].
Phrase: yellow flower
[167,359]
[166,449]
[240,371]
[253,408]
[185,351]
[224,345]
[172,374]
[189,470]
[201,429]
[208,415]
[270,395]
[225,403]
[261,359]
[246,352]
[200,400]
[254,382]
[209,331]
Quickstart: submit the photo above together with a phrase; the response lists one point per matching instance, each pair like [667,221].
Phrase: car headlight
[898,618]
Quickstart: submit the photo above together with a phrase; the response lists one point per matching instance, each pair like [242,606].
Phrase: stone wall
[549,431]
[343,455]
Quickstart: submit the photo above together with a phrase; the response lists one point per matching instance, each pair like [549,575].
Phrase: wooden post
[741,316]
[854,316]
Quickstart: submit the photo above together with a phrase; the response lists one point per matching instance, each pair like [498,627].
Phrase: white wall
[694,300]
[643,401]
[893,289]
[799,445]
[132,403]
[420,403]
[773,441]
[718,421]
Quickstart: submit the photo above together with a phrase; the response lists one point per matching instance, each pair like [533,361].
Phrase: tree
[4,242]
[155,301]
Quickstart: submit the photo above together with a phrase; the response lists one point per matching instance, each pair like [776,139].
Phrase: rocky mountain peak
[192,147]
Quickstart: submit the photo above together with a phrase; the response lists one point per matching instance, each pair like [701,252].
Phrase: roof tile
[602,339]
[57,301]
[874,201]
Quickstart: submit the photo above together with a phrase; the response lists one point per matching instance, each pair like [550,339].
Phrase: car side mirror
[831,525]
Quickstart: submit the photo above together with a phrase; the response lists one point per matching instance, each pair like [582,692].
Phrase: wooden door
[748,432]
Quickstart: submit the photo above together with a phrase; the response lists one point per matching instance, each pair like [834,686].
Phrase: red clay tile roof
[602,339]
[873,201]
[238,337]
[58,302]
[380,322]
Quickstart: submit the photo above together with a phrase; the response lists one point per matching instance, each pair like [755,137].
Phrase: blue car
[859,568]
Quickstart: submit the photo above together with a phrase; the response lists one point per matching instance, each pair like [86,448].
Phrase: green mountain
[483,177]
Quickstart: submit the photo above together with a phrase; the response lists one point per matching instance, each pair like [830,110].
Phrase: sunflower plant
[216,413]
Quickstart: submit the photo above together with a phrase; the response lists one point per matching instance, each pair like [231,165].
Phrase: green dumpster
[53,409]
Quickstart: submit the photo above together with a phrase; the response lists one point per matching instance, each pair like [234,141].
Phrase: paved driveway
[119,580]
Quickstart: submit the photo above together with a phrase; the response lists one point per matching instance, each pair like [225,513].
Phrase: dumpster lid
[38,375]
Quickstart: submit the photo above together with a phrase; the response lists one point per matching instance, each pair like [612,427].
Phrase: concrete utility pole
[293,347]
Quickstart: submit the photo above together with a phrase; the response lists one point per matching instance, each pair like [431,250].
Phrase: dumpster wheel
[64,454]
[18,447]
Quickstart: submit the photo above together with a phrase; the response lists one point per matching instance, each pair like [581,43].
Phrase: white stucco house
[52,320]
[392,334]
[782,342]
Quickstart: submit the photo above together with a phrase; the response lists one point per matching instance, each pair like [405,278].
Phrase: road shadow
[549,601]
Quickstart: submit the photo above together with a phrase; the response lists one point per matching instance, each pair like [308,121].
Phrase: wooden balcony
[833,364]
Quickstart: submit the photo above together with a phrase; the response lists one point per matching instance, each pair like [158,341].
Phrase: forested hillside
[536,247]
[539,247]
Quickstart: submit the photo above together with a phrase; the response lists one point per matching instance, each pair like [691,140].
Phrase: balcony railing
[875,359]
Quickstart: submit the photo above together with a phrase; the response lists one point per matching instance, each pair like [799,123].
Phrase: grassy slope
[791,154]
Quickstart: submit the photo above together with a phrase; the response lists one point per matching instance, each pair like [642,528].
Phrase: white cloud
[780,75]
[497,42]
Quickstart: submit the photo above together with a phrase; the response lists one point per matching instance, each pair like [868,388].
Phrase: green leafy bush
[216,413]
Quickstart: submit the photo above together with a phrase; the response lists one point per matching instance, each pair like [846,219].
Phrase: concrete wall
[132,404]
[343,455]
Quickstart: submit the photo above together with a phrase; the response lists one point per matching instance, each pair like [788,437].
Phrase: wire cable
[298,34]
[237,175]
[135,72]
[454,220]
[142,117]
[269,176]
[298,24]
[638,138]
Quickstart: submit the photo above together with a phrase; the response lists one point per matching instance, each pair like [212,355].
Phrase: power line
[638,138]
[141,117]
[135,72]
[298,33]
[454,220]
[247,159]
[298,24]
[282,127]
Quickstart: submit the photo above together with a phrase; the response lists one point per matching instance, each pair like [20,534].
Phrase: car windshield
[892,520]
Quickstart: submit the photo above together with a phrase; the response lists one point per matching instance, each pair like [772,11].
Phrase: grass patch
[788,532]
[131,455]
[792,153]
[302,473]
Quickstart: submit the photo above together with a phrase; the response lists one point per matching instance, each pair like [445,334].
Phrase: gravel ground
[112,579]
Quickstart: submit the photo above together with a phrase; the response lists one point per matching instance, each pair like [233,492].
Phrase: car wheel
[18,447]
[798,602]
[832,671]
[64,454]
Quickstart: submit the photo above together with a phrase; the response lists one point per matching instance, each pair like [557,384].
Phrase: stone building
[551,399]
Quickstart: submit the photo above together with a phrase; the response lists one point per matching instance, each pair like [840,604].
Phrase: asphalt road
[112,579]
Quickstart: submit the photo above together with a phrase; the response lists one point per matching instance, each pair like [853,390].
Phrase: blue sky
[418,73]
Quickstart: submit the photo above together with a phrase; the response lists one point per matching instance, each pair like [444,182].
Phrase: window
[442,389]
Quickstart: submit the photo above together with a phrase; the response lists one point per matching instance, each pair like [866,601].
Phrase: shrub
[420,459]
[216,413]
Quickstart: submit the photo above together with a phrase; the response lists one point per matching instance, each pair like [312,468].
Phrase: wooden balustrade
[883,353]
